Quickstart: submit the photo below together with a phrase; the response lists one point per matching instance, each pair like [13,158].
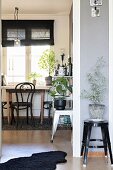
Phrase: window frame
[27,25]
[28,58]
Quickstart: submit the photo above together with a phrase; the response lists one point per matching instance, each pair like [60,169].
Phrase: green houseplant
[59,91]
[33,76]
[97,87]
[47,62]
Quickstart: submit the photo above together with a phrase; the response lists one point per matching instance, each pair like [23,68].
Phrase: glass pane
[36,52]
[15,33]
[40,33]
[16,64]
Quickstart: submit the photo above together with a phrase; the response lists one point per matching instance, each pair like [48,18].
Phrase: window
[15,64]
[36,52]
[21,61]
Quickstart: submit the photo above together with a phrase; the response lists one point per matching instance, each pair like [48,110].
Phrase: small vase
[96,111]
[34,82]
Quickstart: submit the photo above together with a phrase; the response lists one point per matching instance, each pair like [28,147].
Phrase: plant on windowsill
[47,62]
[97,88]
[33,76]
[59,91]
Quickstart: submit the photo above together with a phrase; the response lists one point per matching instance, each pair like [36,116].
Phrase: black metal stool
[88,124]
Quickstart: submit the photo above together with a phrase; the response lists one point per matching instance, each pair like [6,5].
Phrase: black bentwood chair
[24,96]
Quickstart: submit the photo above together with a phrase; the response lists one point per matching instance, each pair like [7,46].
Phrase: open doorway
[30,138]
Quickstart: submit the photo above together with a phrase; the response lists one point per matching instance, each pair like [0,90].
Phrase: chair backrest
[24,92]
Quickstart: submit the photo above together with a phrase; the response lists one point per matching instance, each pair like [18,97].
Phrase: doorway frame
[76,76]
[0,87]
[111,71]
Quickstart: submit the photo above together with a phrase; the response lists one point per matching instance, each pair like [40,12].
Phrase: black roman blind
[29,32]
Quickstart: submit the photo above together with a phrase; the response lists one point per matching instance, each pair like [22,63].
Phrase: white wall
[111,70]
[94,43]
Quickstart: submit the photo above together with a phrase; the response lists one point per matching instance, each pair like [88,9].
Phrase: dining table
[38,89]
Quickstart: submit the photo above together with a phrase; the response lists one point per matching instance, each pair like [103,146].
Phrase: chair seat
[20,104]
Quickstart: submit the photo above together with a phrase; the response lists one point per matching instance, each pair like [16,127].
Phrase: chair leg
[27,115]
[17,122]
[2,116]
[12,116]
[32,118]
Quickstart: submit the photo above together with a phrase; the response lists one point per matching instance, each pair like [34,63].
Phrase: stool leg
[109,143]
[55,124]
[87,145]
[85,130]
[104,140]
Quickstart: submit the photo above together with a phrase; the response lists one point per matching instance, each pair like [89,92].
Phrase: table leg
[8,98]
[42,107]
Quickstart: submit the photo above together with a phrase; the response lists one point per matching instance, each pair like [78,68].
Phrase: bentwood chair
[24,97]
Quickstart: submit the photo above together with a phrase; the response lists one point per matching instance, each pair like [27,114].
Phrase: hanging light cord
[17,40]
[16,13]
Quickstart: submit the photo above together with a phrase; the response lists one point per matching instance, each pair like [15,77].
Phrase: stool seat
[88,124]
[57,114]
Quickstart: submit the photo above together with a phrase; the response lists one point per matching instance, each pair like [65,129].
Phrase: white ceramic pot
[96,111]
[61,71]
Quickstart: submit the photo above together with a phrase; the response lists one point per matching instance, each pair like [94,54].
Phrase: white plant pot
[96,111]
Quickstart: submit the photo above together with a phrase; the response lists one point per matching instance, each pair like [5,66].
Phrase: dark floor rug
[47,125]
[38,161]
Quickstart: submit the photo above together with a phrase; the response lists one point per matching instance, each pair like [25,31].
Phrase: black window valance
[30,32]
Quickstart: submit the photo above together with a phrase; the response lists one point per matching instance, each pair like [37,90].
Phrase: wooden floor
[25,143]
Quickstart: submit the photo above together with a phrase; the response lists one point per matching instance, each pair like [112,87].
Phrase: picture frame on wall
[95,2]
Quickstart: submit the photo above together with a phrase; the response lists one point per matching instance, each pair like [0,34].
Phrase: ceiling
[37,6]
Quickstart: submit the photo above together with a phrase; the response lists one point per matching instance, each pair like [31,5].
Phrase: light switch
[95,12]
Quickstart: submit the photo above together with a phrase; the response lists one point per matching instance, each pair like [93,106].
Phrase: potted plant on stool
[96,92]
[59,91]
